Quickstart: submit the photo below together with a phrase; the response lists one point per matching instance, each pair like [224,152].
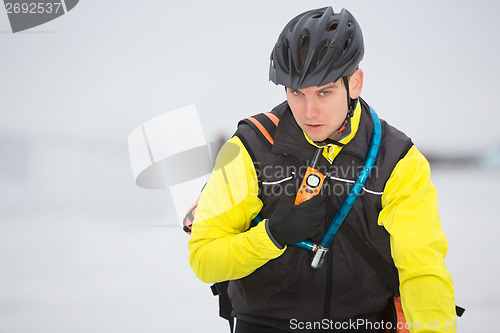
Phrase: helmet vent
[304,48]
[321,55]
[332,27]
[346,44]
[286,54]
[349,24]
[318,15]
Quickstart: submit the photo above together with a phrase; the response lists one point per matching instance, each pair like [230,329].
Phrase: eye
[324,93]
[296,93]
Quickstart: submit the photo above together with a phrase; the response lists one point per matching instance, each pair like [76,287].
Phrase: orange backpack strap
[264,124]
[401,325]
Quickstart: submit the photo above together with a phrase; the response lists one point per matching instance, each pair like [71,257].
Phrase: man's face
[319,110]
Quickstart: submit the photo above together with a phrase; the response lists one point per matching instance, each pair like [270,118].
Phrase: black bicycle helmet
[315,48]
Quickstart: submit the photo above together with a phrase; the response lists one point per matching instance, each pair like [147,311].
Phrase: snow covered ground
[98,273]
[103,271]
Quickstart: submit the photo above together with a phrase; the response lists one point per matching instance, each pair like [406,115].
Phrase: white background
[82,249]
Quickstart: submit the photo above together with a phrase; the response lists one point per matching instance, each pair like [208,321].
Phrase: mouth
[314,126]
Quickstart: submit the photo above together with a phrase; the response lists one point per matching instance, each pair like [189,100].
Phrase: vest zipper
[329,278]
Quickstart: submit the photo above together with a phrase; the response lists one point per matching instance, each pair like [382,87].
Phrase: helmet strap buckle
[350,103]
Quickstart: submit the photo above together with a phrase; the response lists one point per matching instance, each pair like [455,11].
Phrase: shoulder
[260,129]
[394,143]
[395,139]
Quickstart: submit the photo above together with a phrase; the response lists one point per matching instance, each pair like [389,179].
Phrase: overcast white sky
[431,67]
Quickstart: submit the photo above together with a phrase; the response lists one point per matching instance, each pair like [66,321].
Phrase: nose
[311,108]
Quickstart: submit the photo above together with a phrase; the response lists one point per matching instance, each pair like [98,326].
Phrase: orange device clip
[312,182]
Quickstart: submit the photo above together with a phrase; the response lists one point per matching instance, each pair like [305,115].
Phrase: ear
[356,84]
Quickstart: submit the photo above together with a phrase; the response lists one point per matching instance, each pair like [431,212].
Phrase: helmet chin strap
[350,105]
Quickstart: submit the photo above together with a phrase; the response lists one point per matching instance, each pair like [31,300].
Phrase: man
[272,286]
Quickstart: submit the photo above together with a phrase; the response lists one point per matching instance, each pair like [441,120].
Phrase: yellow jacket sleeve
[418,246]
[222,247]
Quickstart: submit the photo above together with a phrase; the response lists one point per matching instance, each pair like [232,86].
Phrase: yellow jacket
[224,247]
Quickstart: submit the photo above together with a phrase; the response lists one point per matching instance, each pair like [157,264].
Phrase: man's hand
[291,224]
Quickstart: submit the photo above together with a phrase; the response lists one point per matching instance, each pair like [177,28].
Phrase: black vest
[346,286]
